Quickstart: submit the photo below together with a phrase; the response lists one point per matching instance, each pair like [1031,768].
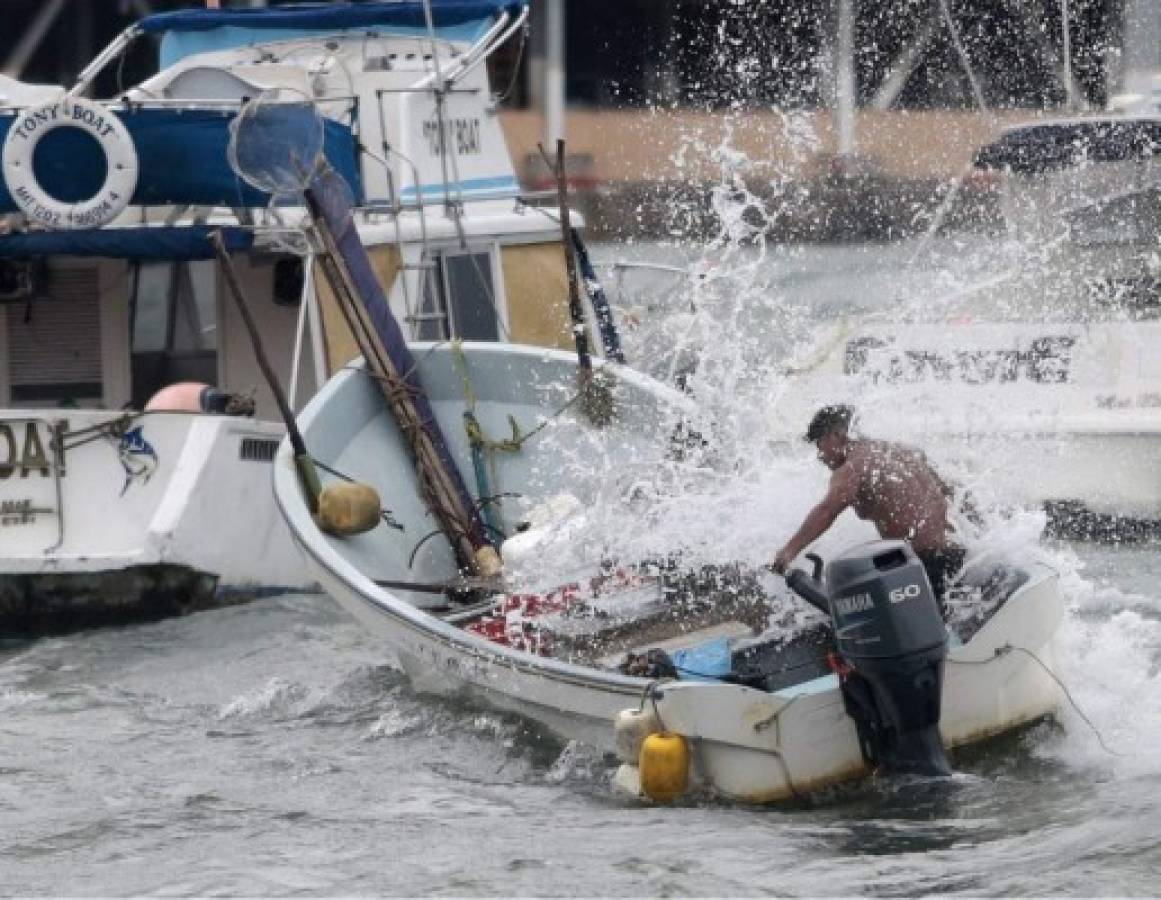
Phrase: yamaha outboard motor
[892,644]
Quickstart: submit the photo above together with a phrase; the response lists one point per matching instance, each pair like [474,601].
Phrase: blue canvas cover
[144,243]
[181,156]
[190,31]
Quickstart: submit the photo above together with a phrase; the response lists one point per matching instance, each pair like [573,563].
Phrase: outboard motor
[892,644]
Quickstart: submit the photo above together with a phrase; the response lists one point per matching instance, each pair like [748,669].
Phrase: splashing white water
[738,498]
[276,696]
[1110,654]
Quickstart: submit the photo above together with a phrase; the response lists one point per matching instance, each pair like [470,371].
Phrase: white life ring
[26,132]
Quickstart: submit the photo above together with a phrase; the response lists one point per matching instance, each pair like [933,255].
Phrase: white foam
[1109,660]
[11,698]
[275,695]
[393,723]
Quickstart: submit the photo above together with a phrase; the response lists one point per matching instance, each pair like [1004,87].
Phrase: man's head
[828,432]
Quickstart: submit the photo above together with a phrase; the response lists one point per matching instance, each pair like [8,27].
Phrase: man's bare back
[894,487]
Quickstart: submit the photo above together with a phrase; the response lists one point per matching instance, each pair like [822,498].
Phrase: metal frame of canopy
[410,16]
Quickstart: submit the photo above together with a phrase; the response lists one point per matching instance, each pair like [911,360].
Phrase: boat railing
[115,48]
[483,49]
[225,104]
[500,31]
[395,207]
[621,266]
[425,89]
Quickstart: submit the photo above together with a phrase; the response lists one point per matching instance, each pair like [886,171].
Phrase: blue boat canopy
[189,31]
[145,243]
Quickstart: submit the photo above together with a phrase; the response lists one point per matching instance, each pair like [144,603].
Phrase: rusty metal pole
[576,311]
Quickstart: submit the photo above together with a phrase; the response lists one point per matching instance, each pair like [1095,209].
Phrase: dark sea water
[274,749]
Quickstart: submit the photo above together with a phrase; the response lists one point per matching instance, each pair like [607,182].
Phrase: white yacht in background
[110,289]
[1037,375]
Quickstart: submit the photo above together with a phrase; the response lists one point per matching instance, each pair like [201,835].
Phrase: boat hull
[576,703]
[57,603]
[108,517]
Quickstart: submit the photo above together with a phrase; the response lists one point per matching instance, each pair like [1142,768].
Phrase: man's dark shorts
[942,566]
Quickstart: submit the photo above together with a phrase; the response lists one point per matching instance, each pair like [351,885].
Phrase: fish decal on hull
[138,458]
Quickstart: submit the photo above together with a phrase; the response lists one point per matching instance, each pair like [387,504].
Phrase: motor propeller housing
[892,644]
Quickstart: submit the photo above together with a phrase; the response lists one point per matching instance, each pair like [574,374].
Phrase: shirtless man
[891,485]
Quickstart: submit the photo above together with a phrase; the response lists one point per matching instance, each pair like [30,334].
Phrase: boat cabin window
[174,308]
[53,352]
[459,298]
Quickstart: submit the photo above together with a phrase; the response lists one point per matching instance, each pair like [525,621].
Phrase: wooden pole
[302,460]
[575,310]
[461,523]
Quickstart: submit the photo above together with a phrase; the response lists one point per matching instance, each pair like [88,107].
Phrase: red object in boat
[515,625]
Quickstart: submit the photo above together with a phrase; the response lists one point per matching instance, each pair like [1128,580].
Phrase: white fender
[27,131]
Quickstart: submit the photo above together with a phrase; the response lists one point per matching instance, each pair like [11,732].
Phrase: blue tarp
[192,31]
[181,156]
[711,661]
[142,243]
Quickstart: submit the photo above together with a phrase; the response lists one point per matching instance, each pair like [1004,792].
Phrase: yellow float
[664,766]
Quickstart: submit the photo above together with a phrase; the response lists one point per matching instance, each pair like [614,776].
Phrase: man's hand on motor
[781,562]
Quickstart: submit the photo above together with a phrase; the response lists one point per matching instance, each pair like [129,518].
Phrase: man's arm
[840,495]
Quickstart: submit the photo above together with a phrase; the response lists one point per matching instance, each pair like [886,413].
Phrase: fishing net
[276,145]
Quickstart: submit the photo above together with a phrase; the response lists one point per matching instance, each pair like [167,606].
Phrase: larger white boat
[1030,367]
[110,289]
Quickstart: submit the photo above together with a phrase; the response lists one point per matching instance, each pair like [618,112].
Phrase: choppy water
[274,749]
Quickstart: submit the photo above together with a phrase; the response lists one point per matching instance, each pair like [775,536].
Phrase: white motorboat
[110,290]
[1036,375]
[397,582]
[764,737]
[575,655]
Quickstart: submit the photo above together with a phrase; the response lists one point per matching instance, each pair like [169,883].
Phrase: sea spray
[1110,658]
[714,490]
